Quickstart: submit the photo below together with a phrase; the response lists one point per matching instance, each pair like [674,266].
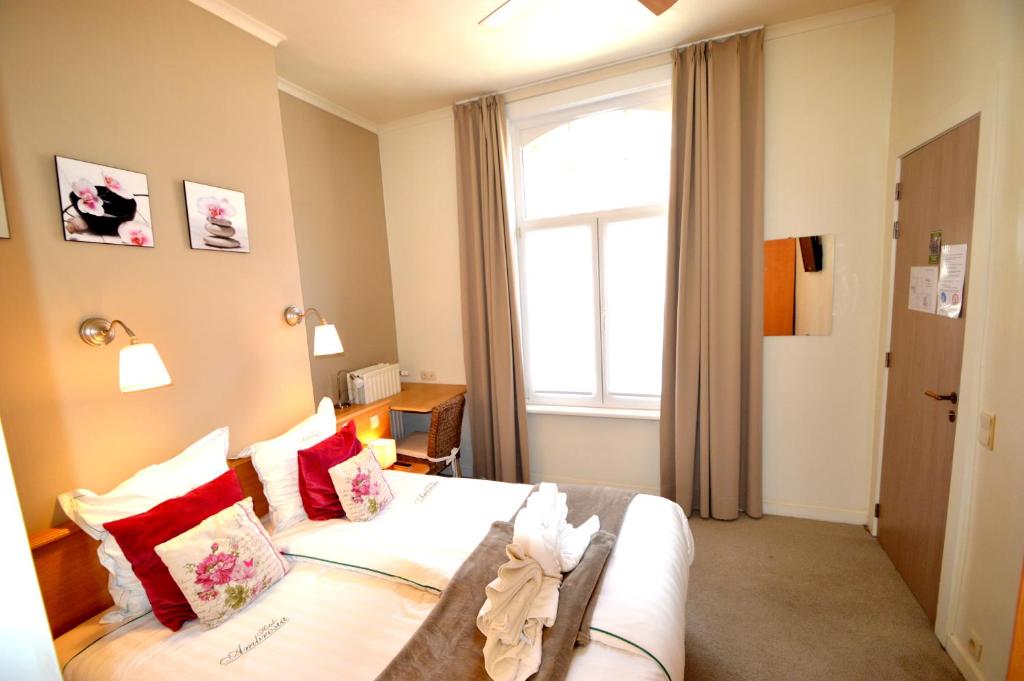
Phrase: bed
[358,591]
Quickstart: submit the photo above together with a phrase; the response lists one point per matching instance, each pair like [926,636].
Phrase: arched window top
[604,160]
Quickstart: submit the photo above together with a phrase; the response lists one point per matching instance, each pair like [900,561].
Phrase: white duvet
[433,524]
[325,622]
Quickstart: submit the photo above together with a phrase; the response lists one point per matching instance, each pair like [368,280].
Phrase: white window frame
[655,87]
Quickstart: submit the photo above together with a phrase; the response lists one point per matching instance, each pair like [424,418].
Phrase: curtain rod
[608,65]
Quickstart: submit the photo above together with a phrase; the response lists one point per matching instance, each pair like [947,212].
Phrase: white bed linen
[424,539]
[422,536]
[331,624]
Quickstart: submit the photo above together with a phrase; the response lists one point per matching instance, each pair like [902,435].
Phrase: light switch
[375,422]
[987,430]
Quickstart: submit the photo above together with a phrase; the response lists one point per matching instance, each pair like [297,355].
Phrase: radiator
[373,383]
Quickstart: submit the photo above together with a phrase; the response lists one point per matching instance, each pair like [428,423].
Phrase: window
[591,189]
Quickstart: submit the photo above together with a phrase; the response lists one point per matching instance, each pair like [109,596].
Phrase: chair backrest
[445,427]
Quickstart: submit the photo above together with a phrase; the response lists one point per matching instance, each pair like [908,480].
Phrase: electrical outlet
[974,647]
[428,375]
[404,373]
[987,430]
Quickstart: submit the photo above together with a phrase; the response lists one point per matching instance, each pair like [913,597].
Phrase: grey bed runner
[448,645]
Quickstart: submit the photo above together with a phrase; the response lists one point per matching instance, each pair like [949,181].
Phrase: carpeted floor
[783,599]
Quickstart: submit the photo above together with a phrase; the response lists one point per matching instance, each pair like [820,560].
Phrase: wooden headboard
[74,584]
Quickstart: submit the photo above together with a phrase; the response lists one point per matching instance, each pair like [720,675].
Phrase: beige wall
[953,59]
[418,167]
[620,452]
[827,100]
[338,203]
[167,89]
[828,88]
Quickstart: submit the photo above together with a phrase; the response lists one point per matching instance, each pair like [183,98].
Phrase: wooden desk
[421,398]
[415,398]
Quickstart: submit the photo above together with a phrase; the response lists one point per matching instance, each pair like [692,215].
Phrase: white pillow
[200,463]
[276,462]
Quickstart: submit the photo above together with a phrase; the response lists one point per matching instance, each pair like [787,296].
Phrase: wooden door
[936,193]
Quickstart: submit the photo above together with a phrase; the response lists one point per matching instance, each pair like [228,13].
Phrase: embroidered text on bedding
[265,632]
[426,490]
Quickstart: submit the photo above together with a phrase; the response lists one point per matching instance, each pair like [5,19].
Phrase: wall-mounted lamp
[140,365]
[325,337]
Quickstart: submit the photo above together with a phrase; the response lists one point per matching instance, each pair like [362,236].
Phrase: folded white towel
[573,542]
[524,597]
[514,662]
[511,620]
[510,596]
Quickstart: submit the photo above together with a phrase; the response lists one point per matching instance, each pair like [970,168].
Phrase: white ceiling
[387,59]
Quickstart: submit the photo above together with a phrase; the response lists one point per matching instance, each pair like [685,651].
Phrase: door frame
[965,449]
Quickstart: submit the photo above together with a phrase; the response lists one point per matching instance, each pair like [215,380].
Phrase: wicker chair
[440,447]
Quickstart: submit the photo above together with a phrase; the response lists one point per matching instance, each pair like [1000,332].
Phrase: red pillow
[137,536]
[315,486]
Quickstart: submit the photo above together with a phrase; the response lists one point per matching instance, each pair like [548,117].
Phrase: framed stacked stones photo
[103,205]
[216,218]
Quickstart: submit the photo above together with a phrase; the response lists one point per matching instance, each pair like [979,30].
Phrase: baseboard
[850,516]
[963,660]
[558,479]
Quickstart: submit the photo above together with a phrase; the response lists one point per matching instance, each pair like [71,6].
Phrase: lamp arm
[316,311]
[131,334]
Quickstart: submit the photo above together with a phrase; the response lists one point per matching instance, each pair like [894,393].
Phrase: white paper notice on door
[923,288]
[952,270]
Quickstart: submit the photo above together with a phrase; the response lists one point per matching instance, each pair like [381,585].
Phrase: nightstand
[418,468]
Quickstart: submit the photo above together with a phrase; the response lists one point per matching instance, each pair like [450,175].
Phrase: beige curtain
[490,312]
[711,377]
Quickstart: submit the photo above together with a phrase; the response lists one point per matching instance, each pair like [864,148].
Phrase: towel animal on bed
[524,597]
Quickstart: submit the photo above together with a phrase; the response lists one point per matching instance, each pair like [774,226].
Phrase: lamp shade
[386,452]
[326,341]
[141,368]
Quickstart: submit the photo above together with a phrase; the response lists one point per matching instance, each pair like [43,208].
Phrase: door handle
[936,396]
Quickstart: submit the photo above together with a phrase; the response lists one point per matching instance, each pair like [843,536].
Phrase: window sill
[599,412]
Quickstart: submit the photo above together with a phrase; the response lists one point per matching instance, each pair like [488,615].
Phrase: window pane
[633,268]
[607,160]
[559,289]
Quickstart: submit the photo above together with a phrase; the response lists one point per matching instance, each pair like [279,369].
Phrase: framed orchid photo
[104,205]
[216,218]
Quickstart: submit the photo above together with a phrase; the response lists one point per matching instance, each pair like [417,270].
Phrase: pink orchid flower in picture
[213,207]
[88,200]
[104,205]
[113,184]
[135,234]
[216,218]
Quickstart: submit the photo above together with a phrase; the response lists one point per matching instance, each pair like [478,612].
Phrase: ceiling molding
[320,102]
[827,20]
[444,113]
[240,19]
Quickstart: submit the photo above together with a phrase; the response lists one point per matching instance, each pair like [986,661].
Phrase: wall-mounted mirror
[798,286]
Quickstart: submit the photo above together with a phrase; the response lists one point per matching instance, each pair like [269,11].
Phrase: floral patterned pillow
[223,563]
[361,486]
